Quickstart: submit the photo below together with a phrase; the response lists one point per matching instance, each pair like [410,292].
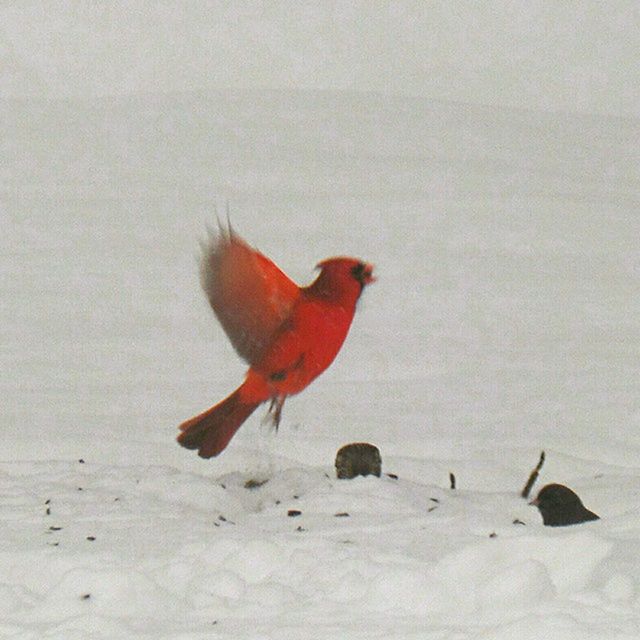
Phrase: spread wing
[249,294]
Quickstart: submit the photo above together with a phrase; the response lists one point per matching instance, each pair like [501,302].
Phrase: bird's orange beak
[367,274]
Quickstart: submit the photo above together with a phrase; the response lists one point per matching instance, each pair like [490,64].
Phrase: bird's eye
[358,271]
[362,273]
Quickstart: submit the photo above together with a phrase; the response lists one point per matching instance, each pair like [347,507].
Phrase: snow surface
[505,321]
[576,55]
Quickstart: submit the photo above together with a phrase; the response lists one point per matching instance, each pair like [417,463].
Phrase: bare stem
[533,477]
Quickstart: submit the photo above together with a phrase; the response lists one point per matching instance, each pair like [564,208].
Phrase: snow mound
[136,548]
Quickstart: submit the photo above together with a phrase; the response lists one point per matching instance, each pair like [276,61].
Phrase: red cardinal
[288,334]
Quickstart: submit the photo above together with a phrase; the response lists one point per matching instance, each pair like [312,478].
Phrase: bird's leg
[278,412]
[274,414]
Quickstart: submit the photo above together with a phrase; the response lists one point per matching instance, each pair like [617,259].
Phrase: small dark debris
[216,524]
[91,538]
[222,518]
[224,486]
[493,534]
[452,481]
[55,528]
[255,484]
[277,501]
[430,509]
[342,514]
[294,513]
[435,500]
[116,499]
[296,497]
[53,544]
[48,501]
[300,529]
[81,461]
[518,521]
[48,511]
[80,489]
[85,596]
[393,476]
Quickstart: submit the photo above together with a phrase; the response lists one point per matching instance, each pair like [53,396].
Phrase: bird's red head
[344,275]
[348,268]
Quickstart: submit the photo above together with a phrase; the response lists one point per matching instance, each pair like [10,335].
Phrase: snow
[577,55]
[505,320]
[154,551]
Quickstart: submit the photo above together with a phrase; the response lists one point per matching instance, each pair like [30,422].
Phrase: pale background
[483,155]
[568,56]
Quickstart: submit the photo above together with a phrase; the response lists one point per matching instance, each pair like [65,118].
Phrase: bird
[286,333]
[358,459]
[560,506]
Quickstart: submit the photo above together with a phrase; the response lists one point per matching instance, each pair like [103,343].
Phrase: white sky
[562,54]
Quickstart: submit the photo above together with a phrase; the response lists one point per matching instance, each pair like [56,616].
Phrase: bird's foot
[274,414]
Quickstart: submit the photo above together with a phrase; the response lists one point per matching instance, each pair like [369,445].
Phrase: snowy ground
[506,320]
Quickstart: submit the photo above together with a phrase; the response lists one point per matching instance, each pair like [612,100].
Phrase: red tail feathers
[211,431]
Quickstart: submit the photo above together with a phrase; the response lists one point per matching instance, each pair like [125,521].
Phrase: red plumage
[288,334]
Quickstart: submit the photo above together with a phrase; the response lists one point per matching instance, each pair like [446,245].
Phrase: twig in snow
[532,478]
[452,481]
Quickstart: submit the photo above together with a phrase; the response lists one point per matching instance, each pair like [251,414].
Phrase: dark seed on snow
[55,528]
[255,484]
[342,514]
[85,596]
[293,513]
[91,538]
